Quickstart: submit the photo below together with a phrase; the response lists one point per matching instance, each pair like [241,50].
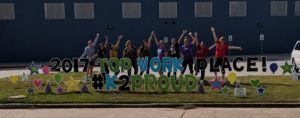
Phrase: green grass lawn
[278,89]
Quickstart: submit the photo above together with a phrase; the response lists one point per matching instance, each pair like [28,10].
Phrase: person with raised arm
[144,51]
[221,48]
[102,53]
[174,50]
[201,53]
[161,51]
[89,53]
[113,50]
[187,54]
[131,52]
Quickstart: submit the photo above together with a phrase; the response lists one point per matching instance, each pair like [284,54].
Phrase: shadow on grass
[278,84]
[146,93]
[243,97]
[64,93]
[45,93]
[76,92]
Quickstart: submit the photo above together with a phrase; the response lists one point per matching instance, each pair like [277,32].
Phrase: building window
[7,11]
[131,10]
[237,8]
[167,9]
[297,8]
[54,10]
[203,9]
[279,8]
[84,11]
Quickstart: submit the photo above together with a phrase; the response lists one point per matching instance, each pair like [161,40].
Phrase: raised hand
[212,29]
[152,33]
[106,37]
[120,36]
[214,34]
[184,31]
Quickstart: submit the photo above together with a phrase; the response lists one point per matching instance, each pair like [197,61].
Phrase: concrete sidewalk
[153,113]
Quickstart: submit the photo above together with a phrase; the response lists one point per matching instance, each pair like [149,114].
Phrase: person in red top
[221,49]
[201,53]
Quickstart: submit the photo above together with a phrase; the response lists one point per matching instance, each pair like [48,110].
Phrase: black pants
[114,65]
[174,73]
[197,69]
[185,63]
[135,67]
[92,62]
[169,74]
[106,70]
[219,64]
[104,73]
[148,67]
[147,72]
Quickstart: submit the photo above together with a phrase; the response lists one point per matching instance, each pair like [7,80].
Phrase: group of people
[177,49]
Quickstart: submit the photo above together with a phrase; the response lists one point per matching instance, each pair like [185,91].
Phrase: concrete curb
[153,105]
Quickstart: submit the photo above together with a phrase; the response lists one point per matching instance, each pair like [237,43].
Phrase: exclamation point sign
[264,64]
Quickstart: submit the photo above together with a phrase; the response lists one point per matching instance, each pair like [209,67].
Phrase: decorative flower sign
[216,84]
